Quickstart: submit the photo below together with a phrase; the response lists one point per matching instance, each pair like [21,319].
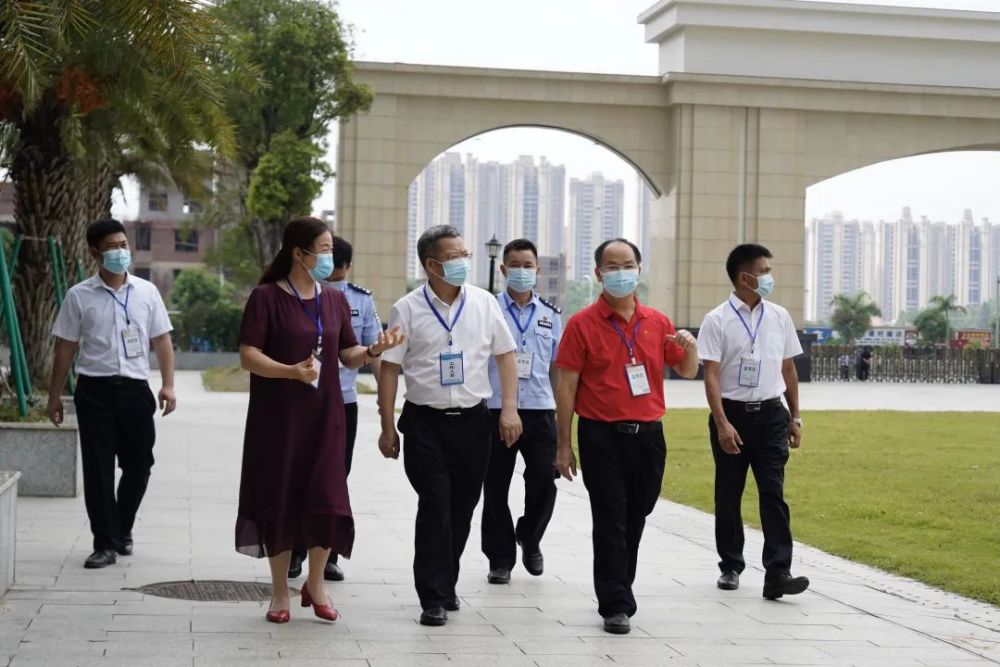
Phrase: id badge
[638,382]
[524,361]
[452,369]
[132,341]
[749,372]
[318,365]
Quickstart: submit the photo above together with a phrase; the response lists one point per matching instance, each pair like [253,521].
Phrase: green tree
[946,305]
[852,315]
[283,185]
[87,89]
[208,313]
[302,52]
[578,295]
[932,324]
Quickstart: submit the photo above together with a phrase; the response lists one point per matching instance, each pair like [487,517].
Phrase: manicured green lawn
[913,493]
[225,378]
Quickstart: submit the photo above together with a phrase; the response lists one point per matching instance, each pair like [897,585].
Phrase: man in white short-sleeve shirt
[109,322]
[748,346]
[451,329]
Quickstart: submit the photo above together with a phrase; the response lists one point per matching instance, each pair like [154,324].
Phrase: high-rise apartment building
[901,264]
[526,198]
[596,210]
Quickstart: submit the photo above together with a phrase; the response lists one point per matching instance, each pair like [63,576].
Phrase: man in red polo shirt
[611,361]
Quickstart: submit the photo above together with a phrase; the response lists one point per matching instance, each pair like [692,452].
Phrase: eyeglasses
[467,255]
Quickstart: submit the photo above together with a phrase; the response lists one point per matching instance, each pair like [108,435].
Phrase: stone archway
[730,141]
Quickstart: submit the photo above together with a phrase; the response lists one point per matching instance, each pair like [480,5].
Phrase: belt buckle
[628,429]
[754,406]
[452,413]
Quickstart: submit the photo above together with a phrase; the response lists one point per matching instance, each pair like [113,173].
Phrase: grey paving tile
[59,614]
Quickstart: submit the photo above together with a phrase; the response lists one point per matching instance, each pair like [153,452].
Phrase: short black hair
[427,243]
[599,253]
[99,229]
[520,244]
[343,253]
[742,256]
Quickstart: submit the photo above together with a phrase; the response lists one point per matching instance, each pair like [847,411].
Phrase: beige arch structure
[758,99]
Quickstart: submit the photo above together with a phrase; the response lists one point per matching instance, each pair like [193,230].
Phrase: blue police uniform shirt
[542,331]
[366,325]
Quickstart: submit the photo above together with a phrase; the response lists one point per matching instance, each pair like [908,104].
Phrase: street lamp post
[492,249]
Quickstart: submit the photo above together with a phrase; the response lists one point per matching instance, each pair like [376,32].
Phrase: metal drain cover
[209,590]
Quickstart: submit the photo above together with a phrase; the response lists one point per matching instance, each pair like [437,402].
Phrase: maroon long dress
[293,490]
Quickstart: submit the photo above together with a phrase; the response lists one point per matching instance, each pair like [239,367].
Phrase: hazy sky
[603,36]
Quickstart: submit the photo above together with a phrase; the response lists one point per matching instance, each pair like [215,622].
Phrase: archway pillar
[732,181]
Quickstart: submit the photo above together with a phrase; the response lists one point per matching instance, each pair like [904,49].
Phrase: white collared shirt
[479,333]
[724,338]
[92,315]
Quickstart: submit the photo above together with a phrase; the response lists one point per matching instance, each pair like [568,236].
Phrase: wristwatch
[798,421]
[368,353]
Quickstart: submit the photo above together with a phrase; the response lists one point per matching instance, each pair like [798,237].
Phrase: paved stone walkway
[59,615]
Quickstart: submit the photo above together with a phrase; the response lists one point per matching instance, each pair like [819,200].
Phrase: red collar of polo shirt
[606,311]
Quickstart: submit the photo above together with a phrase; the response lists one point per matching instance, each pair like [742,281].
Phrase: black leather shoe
[453,604]
[532,558]
[617,624]
[434,616]
[784,584]
[332,572]
[295,566]
[100,558]
[125,546]
[499,575]
[729,581]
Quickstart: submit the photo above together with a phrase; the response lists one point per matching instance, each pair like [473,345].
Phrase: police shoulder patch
[549,305]
[359,288]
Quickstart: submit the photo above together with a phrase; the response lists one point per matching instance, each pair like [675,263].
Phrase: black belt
[753,406]
[628,428]
[449,413]
[117,380]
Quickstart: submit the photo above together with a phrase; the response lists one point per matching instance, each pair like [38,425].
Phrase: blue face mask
[116,261]
[765,285]
[456,271]
[324,266]
[521,280]
[621,283]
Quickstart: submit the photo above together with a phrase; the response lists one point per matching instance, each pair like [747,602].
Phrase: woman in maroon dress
[293,490]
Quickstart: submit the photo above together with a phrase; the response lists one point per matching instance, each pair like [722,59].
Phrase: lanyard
[516,316]
[621,334]
[752,334]
[318,319]
[449,329]
[128,290]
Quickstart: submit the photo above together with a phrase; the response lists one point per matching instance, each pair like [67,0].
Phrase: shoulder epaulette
[359,288]
[552,306]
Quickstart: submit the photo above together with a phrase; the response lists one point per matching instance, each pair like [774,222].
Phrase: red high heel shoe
[279,616]
[324,611]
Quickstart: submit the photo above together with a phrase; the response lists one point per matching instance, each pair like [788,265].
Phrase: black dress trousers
[537,446]
[445,454]
[115,417]
[623,474]
[765,452]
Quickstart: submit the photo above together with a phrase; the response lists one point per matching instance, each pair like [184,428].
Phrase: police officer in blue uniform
[536,327]
[366,324]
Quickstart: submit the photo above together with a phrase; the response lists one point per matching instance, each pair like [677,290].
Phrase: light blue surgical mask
[621,283]
[324,265]
[456,271]
[521,280]
[116,260]
[765,285]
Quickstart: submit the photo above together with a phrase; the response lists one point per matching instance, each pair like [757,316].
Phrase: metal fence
[899,364]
